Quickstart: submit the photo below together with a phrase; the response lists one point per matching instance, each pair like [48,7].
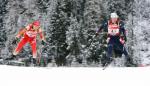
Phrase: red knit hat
[36,23]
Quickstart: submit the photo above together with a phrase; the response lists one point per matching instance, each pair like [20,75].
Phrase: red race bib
[113,29]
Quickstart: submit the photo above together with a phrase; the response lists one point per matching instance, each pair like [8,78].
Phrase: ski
[16,63]
[143,65]
[107,64]
[41,61]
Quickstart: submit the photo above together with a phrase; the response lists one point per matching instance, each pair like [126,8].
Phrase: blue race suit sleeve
[103,26]
[122,30]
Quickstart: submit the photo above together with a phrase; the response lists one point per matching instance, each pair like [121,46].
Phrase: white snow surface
[25,76]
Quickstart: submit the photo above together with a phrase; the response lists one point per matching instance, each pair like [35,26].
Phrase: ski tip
[143,65]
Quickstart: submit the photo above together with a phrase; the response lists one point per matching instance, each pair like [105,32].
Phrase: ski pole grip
[43,42]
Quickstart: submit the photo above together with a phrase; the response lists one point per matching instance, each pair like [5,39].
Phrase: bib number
[113,31]
[31,34]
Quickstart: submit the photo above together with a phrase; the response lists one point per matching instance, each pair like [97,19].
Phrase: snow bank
[28,76]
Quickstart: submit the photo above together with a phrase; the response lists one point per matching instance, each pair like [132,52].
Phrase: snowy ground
[28,76]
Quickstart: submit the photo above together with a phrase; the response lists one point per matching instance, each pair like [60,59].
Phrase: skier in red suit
[29,34]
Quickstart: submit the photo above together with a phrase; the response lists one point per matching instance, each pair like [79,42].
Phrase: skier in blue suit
[116,38]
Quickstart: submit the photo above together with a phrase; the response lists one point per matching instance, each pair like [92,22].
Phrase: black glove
[15,41]
[96,34]
[43,42]
[125,38]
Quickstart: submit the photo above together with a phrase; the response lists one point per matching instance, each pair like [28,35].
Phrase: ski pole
[40,53]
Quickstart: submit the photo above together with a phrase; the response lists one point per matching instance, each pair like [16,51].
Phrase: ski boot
[12,57]
[130,63]
[33,61]
[108,61]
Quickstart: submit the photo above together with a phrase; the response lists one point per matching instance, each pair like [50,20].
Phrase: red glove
[122,41]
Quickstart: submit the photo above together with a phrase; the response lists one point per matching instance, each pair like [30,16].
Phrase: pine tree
[60,24]
[3,11]
[92,13]
[121,7]
[141,33]
[3,31]
[73,36]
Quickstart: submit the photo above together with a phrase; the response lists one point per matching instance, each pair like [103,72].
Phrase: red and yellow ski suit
[29,36]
